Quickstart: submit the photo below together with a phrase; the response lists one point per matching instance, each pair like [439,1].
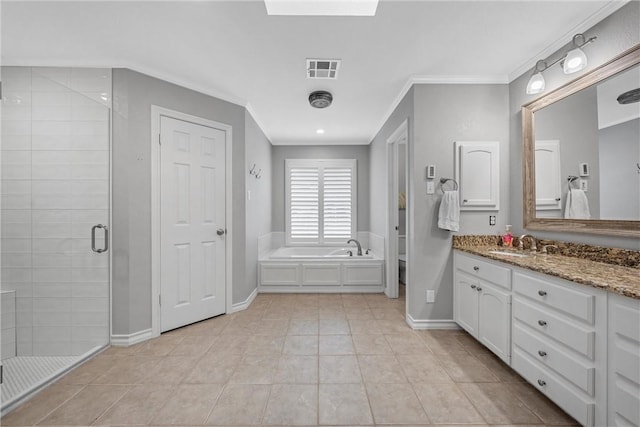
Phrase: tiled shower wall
[55,187]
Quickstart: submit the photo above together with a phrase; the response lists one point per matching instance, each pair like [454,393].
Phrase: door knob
[220,231]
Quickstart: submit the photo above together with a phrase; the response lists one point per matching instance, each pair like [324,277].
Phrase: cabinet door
[494,320]
[478,173]
[465,302]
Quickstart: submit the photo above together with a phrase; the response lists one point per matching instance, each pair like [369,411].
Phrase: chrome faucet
[533,242]
[357,243]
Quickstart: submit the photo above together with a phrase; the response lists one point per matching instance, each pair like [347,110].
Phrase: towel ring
[444,180]
[570,180]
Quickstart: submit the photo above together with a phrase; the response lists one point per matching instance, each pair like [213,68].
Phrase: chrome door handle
[93,238]
[220,231]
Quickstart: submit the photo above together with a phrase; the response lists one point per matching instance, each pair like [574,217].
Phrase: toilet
[402,258]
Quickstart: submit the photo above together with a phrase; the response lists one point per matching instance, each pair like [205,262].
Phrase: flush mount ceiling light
[320,99]
[572,62]
[629,97]
[321,7]
[320,131]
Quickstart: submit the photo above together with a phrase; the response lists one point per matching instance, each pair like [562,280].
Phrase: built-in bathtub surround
[608,276]
[326,269]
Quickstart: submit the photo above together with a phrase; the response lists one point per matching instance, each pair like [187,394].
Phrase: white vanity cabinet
[624,361]
[482,302]
[477,170]
[560,342]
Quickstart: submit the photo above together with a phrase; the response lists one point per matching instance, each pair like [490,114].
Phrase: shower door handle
[93,238]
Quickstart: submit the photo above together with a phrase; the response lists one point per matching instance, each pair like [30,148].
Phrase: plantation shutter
[305,204]
[338,189]
[320,201]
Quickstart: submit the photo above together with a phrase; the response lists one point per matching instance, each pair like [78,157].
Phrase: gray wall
[258,213]
[574,122]
[133,95]
[378,165]
[282,152]
[619,183]
[444,114]
[616,34]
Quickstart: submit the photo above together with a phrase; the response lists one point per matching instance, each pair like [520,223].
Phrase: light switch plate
[431,188]
[584,185]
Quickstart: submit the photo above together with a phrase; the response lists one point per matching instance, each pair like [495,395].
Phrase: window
[320,201]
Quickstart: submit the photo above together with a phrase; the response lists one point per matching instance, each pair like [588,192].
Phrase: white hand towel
[449,215]
[577,206]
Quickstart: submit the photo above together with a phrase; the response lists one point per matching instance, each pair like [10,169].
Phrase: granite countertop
[610,277]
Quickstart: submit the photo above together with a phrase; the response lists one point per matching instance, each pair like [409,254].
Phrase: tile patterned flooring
[295,360]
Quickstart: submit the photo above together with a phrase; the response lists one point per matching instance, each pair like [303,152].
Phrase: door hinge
[159,139]
[1,372]
[159,299]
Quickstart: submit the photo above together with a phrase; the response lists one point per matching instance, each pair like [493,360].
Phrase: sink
[509,253]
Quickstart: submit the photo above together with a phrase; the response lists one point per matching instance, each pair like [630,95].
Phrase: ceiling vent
[323,68]
[320,99]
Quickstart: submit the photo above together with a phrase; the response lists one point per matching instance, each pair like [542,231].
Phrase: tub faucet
[357,243]
[533,242]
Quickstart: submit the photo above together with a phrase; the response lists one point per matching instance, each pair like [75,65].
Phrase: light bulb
[575,61]
[536,84]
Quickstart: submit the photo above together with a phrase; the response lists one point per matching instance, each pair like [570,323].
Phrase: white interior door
[192,221]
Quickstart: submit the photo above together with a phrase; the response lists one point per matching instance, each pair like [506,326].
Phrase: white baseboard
[131,339]
[239,306]
[431,324]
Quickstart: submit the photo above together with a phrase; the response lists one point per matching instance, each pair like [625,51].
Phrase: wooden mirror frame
[618,64]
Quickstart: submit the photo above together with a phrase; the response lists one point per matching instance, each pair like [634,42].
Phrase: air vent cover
[323,68]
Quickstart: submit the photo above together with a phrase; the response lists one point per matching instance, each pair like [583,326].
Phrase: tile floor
[295,360]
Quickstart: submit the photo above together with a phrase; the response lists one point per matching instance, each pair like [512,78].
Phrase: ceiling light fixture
[321,7]
[320,131]
[320,99]
[572,62]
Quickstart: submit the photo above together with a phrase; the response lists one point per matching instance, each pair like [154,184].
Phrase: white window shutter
[304,203]
[338,190]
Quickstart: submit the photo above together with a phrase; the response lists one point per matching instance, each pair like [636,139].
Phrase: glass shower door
[55,217]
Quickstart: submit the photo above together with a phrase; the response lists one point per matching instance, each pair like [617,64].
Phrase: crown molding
[585,25]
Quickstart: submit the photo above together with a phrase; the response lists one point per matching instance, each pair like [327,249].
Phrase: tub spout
[358,244]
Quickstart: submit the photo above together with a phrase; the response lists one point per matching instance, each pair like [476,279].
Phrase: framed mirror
[581,153]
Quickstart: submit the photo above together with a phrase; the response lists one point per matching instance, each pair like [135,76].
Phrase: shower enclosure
[55,210]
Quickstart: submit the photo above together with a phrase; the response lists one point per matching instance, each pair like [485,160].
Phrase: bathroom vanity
[568,325]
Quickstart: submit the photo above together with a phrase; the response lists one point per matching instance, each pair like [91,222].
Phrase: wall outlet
[492,220]
[431,296]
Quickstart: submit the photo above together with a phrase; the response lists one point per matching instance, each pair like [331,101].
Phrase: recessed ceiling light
[322,7]
[320,131]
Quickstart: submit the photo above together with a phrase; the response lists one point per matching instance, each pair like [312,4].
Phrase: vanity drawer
[569,301]
[552,356]
[484,270]
[548,323]
[580,408]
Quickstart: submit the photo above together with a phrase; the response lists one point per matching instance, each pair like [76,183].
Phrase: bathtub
[320,269]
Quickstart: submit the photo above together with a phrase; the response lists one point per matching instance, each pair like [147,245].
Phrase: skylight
[322,7]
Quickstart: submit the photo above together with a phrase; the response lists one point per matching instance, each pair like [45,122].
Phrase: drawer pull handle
[542,293]
[542,383]
[479,289]
[473,286]
[542,353]
[476,268]
[542,322]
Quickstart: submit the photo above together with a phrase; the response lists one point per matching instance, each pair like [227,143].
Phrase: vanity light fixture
[572,62]
[536,82]
[576,60]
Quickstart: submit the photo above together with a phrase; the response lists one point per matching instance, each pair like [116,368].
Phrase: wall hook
[252,169]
